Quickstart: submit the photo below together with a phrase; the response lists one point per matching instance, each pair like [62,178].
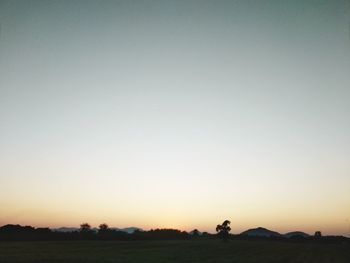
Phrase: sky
[176,114]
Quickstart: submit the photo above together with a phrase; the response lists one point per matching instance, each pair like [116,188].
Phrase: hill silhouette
[260,232]
[296,234]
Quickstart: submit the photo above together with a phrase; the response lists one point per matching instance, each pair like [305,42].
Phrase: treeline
[28,233]
[22,233]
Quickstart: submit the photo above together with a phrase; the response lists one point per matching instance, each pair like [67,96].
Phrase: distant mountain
[296,234]
[260,232]
[128,230]
[65,229]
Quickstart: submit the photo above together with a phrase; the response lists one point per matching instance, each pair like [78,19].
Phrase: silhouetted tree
[104,232]
[86,232]
[103,228]
[85,228]
[224,229]
[318,234]
[195,233]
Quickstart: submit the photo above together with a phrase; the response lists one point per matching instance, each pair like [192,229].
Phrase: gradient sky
[176,114]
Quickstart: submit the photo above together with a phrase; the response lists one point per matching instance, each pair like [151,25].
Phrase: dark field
[173,251]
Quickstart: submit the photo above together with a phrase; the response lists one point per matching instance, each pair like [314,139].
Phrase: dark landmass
[260,232]
[28,233]
[296,234]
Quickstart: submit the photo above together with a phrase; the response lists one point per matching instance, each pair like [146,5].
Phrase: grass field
[172,251]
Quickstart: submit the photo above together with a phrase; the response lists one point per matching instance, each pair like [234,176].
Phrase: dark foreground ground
[173,251]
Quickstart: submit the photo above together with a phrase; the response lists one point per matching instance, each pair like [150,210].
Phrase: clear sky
[176,114]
